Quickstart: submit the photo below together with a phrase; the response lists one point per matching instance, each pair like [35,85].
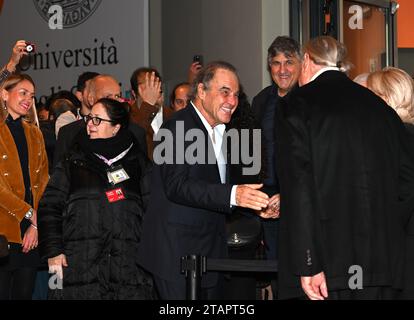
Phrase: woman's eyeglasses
[96,121]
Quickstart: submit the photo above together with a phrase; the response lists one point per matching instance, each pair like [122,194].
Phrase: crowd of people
[106,196]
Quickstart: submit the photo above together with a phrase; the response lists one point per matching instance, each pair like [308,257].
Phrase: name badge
[117,175]
[115,195]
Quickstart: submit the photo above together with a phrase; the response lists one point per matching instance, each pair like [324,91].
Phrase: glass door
[367,28]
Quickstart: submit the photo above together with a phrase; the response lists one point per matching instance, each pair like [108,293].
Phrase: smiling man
[284,65]
[189,201]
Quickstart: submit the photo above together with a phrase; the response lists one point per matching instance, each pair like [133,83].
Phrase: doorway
[366,27]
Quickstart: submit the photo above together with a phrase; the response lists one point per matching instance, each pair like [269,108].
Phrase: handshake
[249,196]
[272,211]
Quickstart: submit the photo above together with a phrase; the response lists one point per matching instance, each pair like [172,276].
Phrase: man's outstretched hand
[249,196]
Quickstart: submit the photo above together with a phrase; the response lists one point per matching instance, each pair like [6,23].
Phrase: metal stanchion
[193,267]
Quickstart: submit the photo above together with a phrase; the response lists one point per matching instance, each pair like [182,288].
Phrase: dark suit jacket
[67,134]
[187,206]
[346,180]
[260,100]
[143,116]
[260,104]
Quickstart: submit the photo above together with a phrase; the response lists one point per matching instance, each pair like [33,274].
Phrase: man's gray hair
[286,45]
[207,73]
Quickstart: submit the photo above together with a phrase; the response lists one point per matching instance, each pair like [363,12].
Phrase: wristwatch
[29,214]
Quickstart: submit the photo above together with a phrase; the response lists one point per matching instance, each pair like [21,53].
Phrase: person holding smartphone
[195,67]
[19,50]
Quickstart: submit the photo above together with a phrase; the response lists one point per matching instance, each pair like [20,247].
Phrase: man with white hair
[347,185]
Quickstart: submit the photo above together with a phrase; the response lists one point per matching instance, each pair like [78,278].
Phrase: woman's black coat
[99,238]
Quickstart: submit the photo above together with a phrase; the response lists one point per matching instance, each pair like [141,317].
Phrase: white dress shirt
[157,121]
[317,74]
[216,136]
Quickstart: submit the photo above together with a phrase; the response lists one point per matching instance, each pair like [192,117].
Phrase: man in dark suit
[284,64]
[346,181]
[190,194]
[101,86]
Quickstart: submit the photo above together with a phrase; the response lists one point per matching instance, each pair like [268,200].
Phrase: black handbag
[4,246]
[243,230]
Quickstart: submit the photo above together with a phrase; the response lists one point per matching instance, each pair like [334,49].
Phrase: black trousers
[17,284]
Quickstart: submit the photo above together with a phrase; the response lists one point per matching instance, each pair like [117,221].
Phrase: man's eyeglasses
[96,121]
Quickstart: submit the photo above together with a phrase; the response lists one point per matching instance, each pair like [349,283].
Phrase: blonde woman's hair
[327,51]
[396,88]
[10,83]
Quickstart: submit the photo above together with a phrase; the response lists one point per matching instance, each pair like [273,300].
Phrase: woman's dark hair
[117,111]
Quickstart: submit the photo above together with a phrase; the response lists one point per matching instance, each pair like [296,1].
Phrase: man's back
[346,147]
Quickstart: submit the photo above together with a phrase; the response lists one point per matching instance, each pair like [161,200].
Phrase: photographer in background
[19,50]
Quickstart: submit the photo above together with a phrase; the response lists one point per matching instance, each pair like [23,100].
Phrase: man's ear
[305,59]
[201,91]
[91,98]
[78,95]
[117,128]
[305,62]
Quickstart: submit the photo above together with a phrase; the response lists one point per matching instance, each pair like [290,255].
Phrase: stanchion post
[193,267]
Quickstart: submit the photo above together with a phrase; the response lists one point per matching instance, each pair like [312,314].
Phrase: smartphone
[198,58]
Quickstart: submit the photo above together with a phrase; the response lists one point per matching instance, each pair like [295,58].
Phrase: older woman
[90,216]
[396,88]
[23,178]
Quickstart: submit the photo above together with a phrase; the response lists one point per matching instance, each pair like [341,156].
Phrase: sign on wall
[73,36]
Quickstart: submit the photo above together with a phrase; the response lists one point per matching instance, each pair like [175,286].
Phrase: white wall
[275,22]
[155,32]
[112,40]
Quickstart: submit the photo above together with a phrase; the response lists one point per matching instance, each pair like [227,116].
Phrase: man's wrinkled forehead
[286,56]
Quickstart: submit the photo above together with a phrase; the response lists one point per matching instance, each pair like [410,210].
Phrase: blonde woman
[396,87]
[23,178]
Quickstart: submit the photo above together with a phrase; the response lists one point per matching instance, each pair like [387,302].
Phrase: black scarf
[110,147]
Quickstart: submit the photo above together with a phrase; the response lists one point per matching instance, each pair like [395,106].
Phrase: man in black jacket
[284,64]
[347,183]
[190,193]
